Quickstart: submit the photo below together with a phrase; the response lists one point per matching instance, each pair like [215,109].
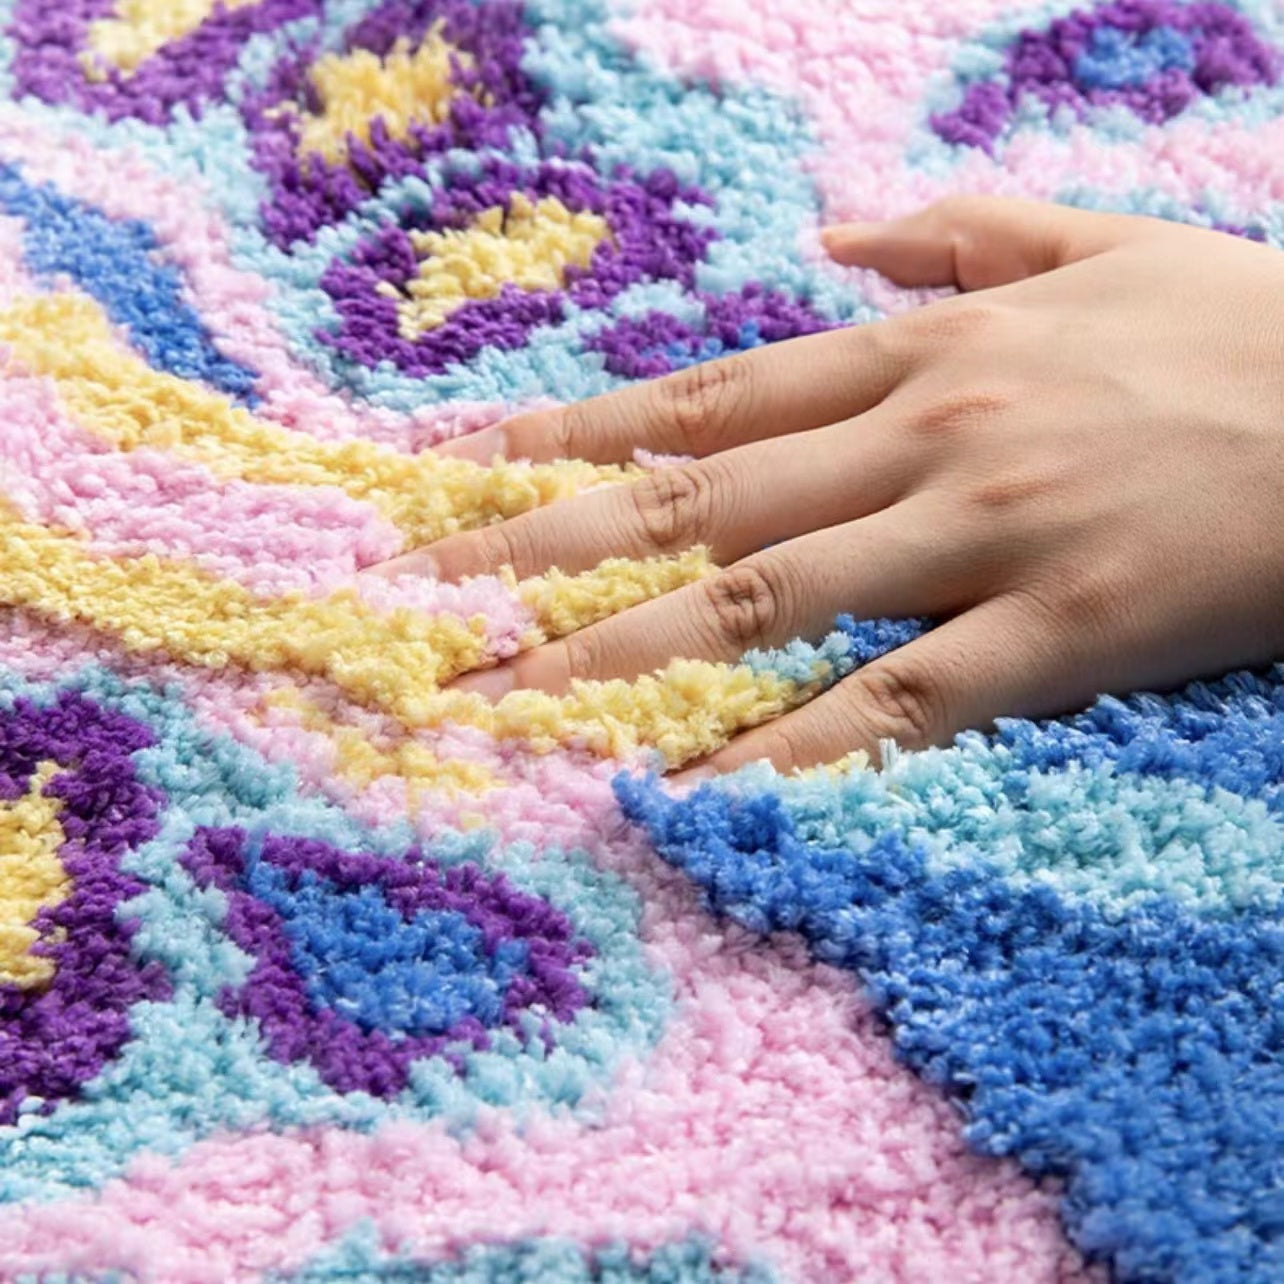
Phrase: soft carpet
[313,970]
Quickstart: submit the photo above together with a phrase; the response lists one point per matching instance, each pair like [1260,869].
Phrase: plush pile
[313,969]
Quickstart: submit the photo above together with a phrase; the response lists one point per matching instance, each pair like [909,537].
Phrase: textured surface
[311,969]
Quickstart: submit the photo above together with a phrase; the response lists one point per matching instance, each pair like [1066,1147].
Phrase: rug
[313,969]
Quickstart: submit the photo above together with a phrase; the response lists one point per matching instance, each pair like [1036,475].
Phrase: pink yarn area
[772,1115]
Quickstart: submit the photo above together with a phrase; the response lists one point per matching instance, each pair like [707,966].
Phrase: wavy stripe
[118,397]
[393,661]
[269,538]
[230,300]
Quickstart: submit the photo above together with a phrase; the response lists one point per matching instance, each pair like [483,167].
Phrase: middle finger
[734,504]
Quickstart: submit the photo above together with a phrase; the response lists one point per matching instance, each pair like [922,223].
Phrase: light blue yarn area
[1179,795]
[360,1257]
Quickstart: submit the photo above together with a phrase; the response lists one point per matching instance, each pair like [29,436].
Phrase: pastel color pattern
[313,967]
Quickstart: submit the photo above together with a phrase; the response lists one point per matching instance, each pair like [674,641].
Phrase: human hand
[1079,470]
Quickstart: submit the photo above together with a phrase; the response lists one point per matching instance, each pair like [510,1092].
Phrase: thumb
[976,242]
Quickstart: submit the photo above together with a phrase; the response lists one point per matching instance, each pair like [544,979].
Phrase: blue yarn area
[360,956]
[1140,1057]
[1228,734]
[1116,59]
[851,644]
[117,262]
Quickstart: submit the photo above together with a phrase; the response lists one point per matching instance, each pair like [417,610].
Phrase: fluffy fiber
[314,969]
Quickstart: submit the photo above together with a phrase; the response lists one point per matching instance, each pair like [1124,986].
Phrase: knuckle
[584,653]
[545,434]
[672,507]
[957,412]
[1009,492]
[885,349]
[569,431]
[702,402]
[962,220]
[957,321]
[746,604]
[499,546]
[1076,600]
[899,701]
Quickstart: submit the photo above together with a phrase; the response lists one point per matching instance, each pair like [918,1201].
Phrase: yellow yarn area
[31,878]
[857,760]
[686,710]
[115,395]
[392,661]
[141,27]
[563,604]
[153,605]
[528,245]
[402,89]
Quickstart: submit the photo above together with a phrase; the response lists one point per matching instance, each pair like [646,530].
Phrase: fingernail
[839,235]
[492,684]
[479,447]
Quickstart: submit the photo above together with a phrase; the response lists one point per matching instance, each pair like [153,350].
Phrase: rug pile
[314,969]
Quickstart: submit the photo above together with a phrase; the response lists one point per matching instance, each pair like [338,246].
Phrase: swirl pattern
[313,967]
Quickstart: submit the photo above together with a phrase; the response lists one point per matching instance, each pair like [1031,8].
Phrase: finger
[733,504]
[784,387]
[1001,658]
[977,242]
[902,561]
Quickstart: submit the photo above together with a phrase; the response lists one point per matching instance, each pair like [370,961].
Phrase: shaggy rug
[314,969]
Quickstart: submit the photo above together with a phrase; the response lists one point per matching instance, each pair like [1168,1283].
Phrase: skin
[1076,463]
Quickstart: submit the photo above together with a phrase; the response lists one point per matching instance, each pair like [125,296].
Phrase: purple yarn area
[1082,61]
[1239,229]
[347,1054]
[658,343]
[57,1036]
[648,241]
[495,97]
[50,37]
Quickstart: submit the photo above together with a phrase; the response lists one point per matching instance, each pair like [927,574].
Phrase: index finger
[791,386]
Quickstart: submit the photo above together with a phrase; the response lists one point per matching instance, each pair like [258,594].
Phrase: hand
[1079,470]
